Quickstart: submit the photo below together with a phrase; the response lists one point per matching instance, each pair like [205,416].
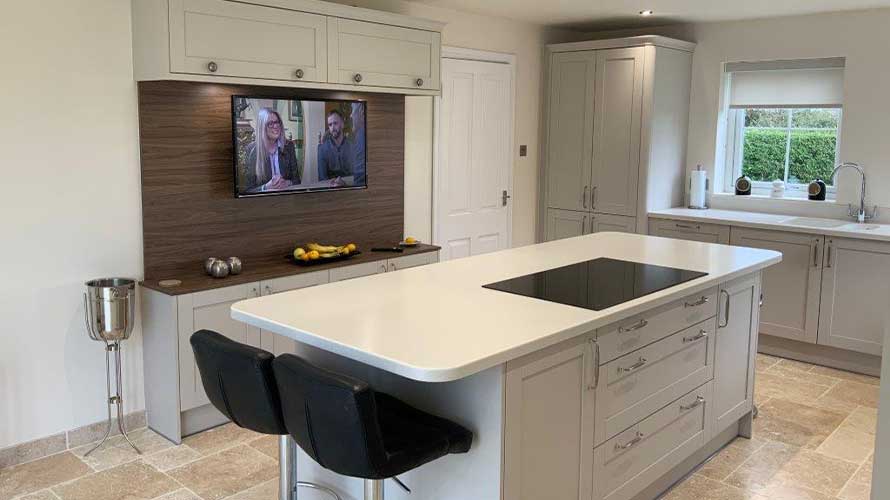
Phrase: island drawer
[626,464]
[636,385]
[638,331]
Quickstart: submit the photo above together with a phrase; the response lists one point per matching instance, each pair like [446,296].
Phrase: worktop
[790,223]
[436,323]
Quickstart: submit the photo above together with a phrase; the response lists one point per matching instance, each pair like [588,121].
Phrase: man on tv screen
[337,152]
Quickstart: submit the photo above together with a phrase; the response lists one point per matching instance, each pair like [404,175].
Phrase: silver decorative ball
[219,269]
[208,263]
[234,265]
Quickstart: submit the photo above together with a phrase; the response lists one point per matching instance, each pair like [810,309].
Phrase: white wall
[524,40]
[862,37]
[69,210]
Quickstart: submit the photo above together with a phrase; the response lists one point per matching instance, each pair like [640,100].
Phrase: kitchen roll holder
[109,308]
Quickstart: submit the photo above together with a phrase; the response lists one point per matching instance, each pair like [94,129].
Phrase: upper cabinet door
[570,130]
[791,288]
[616,130]
[855,294]
[215,37]
[363,53]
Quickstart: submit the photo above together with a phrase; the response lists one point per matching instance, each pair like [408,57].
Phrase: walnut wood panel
[189,211]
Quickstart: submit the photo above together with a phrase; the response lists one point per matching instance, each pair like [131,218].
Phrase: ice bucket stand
[109,305]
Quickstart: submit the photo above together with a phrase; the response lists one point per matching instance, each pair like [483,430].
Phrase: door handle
[382,268]
[504,198]
[392,266]
[584,225]
[698,402]
[629,444]
[828,255]
[640,324]
[815,253]
[594,365]
[268,290]
[725,310]
[584,198]
[593,197]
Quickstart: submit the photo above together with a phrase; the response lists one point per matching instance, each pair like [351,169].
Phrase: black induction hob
[596,284]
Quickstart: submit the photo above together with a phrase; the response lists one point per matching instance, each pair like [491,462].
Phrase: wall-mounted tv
[284,146]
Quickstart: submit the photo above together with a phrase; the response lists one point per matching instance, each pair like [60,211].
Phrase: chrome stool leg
[287,479]
[373,489]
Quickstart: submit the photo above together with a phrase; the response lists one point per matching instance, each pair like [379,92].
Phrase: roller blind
[812,83]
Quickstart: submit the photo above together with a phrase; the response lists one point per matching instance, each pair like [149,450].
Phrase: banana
[329,255]
[321,248]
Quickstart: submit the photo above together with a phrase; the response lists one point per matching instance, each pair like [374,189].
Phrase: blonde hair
[263,117]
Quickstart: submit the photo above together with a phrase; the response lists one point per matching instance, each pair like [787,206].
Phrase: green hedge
[812,155]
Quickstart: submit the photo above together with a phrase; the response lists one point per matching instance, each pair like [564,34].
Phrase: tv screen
[297,145]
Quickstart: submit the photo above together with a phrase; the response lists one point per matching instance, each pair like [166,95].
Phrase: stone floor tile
[180,494]
[765,361]
[848,443]
[106,456]
[855,392]
[815,471]
[226,473]
[730,458]
[32,450]
[796,424]
[267,445]
[40,474]
[856,491]
[844,375]
[172,458]
[769,385]
[794,365]
[264,491]
[219,438]
[798,375]
[697,487]
[758,470]
[779,491]
[863,419]
[131,481]
[40,495]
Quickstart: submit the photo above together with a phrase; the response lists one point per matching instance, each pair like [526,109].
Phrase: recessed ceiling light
[646,13]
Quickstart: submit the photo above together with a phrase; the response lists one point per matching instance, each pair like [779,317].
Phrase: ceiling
[612,14]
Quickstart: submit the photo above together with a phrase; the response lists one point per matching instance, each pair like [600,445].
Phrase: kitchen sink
[814,222]
[862,227]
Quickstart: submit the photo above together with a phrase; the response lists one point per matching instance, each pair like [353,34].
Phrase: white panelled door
[474,168]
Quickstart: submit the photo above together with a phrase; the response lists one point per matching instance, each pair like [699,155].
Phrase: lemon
[410,240]
[299,252]
[351,247]
[313,254]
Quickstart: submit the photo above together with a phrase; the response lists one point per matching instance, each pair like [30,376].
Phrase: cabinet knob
[419,82]
[357,78]
[268,290]
[299,73]
[212,67]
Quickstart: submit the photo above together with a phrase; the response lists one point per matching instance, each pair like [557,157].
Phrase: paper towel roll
[698,186]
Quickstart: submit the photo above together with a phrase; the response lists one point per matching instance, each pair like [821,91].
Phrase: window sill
[757,198]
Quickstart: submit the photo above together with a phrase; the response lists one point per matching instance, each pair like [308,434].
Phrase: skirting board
[832,357]
[65,440]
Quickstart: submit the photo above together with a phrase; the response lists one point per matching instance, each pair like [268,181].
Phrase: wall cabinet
[855,294]
[608,105]
[791,288]
[285,43]
[547,453]
[176,404]
[692,231]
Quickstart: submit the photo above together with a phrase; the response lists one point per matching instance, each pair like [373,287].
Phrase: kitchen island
[565,402]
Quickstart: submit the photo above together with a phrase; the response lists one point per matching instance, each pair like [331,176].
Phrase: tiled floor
[814,440]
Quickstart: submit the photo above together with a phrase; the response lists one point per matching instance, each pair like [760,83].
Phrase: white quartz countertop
[436,323]
[809,225]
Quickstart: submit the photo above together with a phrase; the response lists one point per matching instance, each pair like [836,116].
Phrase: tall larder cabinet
[617,116]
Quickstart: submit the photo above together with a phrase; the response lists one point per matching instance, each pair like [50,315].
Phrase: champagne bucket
[109,304]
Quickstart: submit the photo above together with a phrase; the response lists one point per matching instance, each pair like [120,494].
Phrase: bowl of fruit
[315,253]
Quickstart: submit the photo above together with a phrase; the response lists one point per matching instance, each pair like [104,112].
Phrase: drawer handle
[698,402]
[419,82]
[695,338]
[629,444]
[634,367]
[212,67]
[299,73]
[688,226]
[636,326]
[700,302]
[357,78]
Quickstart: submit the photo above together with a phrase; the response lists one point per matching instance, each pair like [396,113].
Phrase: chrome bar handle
[596,364]
[702,301]
[725,310]
[593,197]
[634,367]
[815,253]
[828,254]
[687,226]
[695,338]
[636,326]
[698,402]
[584,198]
[592,366]
[630,443]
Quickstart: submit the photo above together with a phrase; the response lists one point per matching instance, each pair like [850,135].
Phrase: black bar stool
[352,430]
[240,383]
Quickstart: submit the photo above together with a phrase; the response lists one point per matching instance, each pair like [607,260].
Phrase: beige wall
[70,208]
[524,40]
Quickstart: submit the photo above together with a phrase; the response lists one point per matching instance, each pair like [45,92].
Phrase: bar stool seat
[240,382]
[353,430]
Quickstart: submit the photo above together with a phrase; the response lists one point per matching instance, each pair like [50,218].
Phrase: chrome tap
[861,216]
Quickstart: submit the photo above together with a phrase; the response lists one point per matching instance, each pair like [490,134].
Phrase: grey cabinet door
[565,224]
[615,223]
[279,344]
[618,112]
[792,287]
[735,349]
[570,130]
[548,423]
[855,294]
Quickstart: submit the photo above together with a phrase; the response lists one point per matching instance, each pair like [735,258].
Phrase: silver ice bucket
[109,304]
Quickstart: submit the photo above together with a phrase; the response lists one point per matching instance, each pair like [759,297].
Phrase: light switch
[523,150]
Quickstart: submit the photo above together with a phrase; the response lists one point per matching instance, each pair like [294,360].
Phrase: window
[783,123]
